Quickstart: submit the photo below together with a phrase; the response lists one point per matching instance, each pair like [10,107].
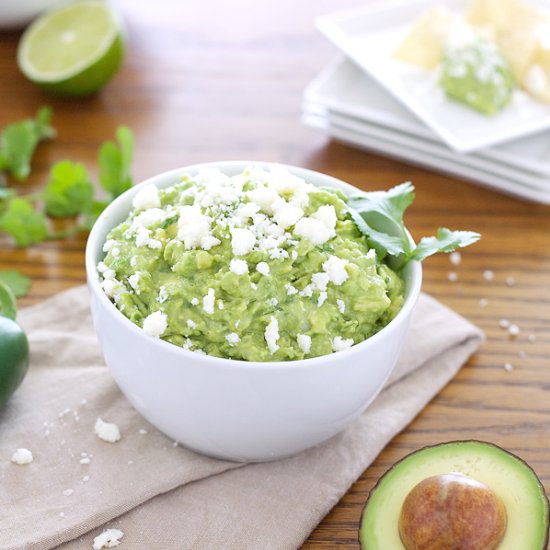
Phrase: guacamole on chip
[260,266]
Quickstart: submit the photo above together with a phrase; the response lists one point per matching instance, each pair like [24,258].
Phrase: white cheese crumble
[108,245]
[107,431]
[340,344]
[208,301]
[155,324]
[313,230]
[322,298]
[341,306]
[232,338]
[304,341]
[263,268]
[272,335]
[193,226]
[320,281]
[191,324]
[133,280]
[102,267]
[142,236]
[22,456]
[290,290]
[307,292]
[113,288]
[239,267]
[209,242]
[335,268]
[163,295]
[275,253]
[108,539]
[148,197]
[327,214]
[272,302]
[149,217]
[288,215]
[194,301]
[264,197]
[242,241]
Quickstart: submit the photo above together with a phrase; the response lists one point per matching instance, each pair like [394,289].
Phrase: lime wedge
[74,50]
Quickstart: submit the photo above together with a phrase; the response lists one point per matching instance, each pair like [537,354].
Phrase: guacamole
[261,266]
[478,76]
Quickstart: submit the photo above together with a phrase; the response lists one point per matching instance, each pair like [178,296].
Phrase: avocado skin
[364,543]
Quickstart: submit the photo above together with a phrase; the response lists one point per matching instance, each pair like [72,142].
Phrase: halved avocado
[509,477]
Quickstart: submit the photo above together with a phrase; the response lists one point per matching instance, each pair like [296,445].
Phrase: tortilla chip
[424,45]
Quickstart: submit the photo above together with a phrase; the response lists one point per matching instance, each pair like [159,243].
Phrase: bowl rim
[170,177]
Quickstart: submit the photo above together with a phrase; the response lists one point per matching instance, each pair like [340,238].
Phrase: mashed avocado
[261,266]
[478,76]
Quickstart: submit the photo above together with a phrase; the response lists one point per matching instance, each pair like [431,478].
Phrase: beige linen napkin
[164,496]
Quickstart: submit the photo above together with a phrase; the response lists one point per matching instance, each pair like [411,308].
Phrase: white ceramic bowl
[17,13]
[238,410]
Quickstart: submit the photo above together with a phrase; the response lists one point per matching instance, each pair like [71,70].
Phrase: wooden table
[223,80]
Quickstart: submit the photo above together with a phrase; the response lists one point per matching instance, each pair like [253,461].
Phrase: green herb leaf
[383,243]
[69,191]
[168,222]
[8,304]
[445,241]
[18,142]
[5,197]
[93,214]
[379,216]
[114,162]
[23,222]
[18,283]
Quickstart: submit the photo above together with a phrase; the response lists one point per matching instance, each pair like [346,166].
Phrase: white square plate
[429,160]
[342,88]
[371,34]
[470,161]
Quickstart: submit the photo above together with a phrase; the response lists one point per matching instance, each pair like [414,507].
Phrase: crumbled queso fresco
[260,266]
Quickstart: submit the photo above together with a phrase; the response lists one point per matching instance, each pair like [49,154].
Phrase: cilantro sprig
[18,142]
[69,191]
[18,283]
[115,161]
[13,285]
[379,216]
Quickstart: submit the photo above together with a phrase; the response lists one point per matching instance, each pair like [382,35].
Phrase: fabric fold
[161,494]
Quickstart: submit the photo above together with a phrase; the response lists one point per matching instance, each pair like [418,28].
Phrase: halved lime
[74,50]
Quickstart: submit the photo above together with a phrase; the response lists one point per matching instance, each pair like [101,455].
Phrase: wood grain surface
[223,80]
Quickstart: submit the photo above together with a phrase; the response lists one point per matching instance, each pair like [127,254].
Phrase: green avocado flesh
[478,76]
[261,266]
[508,476]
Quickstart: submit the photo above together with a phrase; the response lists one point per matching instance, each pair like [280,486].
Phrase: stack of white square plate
[367,100]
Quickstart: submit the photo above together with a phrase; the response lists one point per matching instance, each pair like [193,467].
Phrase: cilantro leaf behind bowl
[18,142]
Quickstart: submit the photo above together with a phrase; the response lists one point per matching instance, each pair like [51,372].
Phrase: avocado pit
[449,511]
